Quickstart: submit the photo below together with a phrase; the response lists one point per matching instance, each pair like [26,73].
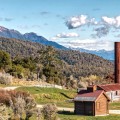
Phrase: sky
[88,24]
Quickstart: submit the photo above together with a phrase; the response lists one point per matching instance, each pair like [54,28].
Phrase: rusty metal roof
[110,87]
[91,96]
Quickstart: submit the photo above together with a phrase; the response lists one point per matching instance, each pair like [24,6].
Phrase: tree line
[24,59]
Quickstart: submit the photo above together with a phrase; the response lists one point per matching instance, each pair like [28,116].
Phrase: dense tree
[55,65]
[5,60]
[48,58]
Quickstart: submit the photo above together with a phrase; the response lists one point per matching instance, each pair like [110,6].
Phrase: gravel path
[114,111]
[10,88]
[59,108]
[72,109]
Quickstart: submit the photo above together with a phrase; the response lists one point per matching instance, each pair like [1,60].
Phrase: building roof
[110,87]
[91,96]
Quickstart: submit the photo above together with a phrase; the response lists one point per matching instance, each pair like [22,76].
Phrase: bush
[19,102]
[4,114]
[5,60]
[49,112]
[5,79]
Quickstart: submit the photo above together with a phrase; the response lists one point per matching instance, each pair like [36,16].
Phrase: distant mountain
[109,55]
[10,33]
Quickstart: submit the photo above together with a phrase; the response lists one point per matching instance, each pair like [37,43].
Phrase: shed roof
[91,96]
[110,87]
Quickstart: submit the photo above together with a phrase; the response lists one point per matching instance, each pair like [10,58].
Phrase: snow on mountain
[109,55]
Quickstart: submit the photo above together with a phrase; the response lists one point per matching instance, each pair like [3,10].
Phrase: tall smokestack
[117,62]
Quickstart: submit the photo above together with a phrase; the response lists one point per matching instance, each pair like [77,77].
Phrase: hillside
[33,37]
[71,62]
[84,62]
[19,48]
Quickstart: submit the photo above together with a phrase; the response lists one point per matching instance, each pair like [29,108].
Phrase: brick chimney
[117,62]
[91,88]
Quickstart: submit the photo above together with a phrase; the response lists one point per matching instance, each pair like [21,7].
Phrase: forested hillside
[85,64]
[32,59]
[19,48]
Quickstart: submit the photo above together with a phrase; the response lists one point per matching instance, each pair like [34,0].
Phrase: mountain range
[109,55]
[11,33]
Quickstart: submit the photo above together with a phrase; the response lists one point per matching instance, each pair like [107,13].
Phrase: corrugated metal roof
[110,87]
[78,98]
[91,96]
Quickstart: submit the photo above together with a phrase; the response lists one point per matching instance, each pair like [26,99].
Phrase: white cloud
[79,21]
[101,27]
[76,21]
[89,44]
[113,22]
[53,38]
[67,35]
[118,21]
[109,21]
[93,21]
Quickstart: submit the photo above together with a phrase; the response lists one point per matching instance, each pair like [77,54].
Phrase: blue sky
[89,24]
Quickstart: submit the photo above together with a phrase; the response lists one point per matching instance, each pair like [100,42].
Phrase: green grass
[51,95]
[114,106]
[58,96]
[77,117]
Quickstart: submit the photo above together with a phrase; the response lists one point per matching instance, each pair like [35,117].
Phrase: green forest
[24,59]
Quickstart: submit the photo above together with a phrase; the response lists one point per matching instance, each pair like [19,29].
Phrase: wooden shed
[94,103]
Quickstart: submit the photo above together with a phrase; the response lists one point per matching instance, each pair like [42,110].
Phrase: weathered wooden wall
[101,106]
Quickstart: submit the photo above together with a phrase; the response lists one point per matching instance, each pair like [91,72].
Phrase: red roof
[91,96]
[110,87]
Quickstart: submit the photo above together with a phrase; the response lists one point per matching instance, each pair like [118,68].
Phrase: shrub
[5,79]
[19,102]
[4,112]
[5,60]
[49,112]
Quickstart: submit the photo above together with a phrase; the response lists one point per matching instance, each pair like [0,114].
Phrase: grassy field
[114,106]
[77,117]
[71,116]
[51,95]
[58,96]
